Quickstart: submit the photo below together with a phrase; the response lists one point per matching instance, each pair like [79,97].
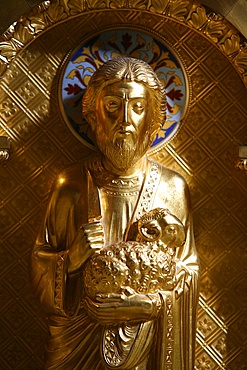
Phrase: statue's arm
[117,308]
[187,258]
[62,246]
[173,194]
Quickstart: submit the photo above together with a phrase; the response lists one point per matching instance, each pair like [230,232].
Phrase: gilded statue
[114,264]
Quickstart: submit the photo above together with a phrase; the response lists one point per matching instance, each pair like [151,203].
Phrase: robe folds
[75,339]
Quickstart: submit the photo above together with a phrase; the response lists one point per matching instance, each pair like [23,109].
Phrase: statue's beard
[122,153]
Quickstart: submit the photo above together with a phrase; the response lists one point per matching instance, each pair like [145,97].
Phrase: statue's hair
[126,69]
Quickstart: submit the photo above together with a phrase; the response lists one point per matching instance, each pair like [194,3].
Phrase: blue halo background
[84,61]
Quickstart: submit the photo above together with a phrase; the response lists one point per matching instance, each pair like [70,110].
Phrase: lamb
[144,264]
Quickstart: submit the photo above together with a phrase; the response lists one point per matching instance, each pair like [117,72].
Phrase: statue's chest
[117,209]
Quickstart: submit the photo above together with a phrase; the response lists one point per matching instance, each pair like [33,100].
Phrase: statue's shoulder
[168,175]
[73,177]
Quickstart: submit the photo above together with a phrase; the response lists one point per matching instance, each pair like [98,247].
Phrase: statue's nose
[125,113]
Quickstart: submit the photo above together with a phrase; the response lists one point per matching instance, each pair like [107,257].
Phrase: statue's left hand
[116,308]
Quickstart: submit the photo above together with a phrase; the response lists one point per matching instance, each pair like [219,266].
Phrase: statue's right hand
[89,238]
[94,234]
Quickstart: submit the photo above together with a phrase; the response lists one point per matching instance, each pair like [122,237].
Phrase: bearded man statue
[114,264]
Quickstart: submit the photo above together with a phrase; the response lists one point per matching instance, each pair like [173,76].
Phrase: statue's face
[123,109]
[123,116]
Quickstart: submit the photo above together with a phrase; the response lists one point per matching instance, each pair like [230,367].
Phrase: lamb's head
[160,224]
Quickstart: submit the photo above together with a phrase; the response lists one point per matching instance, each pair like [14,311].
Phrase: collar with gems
[121,183]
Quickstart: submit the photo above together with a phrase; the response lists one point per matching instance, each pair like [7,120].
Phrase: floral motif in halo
[112,44]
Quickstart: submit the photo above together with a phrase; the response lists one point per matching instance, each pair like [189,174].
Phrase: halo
[89,56]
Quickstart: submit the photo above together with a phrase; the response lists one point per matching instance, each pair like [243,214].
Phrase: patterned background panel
[204,151]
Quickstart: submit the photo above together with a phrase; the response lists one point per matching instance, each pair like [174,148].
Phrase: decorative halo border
[87,57]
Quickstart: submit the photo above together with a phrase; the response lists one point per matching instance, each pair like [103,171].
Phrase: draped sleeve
[66,212]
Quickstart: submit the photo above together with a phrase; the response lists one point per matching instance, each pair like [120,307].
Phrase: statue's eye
[138,107]
[171,229]
[112,105]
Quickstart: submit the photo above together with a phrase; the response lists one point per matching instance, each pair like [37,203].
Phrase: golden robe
[75,339]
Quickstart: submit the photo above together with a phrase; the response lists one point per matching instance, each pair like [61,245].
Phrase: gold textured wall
[204,152]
